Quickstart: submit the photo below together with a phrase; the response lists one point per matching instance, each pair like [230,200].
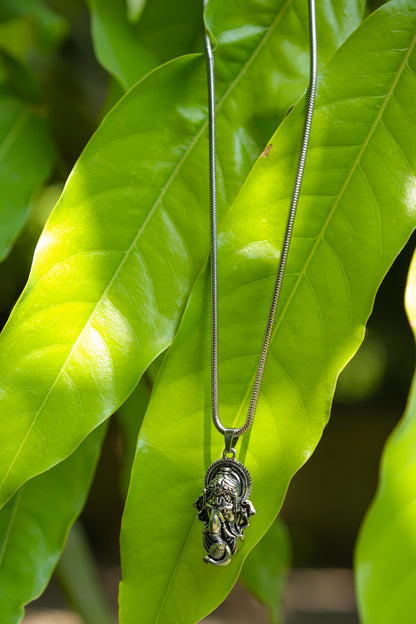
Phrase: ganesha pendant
[224,509]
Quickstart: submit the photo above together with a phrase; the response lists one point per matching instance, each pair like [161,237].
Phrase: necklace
[224,507]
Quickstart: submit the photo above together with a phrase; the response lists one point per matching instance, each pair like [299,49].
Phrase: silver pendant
[224,508]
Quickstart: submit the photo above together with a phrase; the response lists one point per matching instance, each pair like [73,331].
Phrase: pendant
[224,508]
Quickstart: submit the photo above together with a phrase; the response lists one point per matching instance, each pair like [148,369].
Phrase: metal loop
[230,439]
[226,454]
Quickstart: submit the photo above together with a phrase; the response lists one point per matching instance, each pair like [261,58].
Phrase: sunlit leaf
[385,560]
[264,571]
[26,157]
[124,245]
[34,525]
[356,212]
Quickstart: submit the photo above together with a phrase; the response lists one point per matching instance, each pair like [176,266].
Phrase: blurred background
[328,498]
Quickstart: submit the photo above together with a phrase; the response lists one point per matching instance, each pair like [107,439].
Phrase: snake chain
[236,433]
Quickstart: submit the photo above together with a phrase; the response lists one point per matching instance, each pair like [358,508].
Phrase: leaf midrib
[141,229]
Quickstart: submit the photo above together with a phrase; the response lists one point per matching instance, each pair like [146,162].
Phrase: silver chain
[233,434]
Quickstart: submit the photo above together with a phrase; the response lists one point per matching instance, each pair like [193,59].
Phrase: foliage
[120,272]
[26,155]
[386,557]
[26,152]
[30,531]
[332,274]
[129,49]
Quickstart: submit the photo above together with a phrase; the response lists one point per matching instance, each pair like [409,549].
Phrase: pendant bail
[230,441]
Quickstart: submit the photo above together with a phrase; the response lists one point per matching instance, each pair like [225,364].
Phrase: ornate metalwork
[224,509]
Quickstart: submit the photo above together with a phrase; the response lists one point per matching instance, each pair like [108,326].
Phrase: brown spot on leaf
[266,150]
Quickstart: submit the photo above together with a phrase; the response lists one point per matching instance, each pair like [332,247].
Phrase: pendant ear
[200,506]
[247,508]
[199,503]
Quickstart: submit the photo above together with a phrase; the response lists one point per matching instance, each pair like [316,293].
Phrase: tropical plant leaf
[385,560]
[122,248]
[26,157]
[130,48]
[34,525]
[356,212]
[264,571]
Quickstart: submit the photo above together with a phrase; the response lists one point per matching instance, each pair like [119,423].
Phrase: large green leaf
[122,248]
[26,157]
[34,525]
[385,560]
[356,212]
[129,49]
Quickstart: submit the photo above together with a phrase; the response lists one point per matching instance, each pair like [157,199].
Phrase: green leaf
[26,158]
[34,525]
[130,417]
[125,243]
[264,571]
[385,559]
[134,9]
[356,212]
[116,44]
[18,81]
[129,47]
[30,24]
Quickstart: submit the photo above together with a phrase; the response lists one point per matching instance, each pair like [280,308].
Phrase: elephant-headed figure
[224,509]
